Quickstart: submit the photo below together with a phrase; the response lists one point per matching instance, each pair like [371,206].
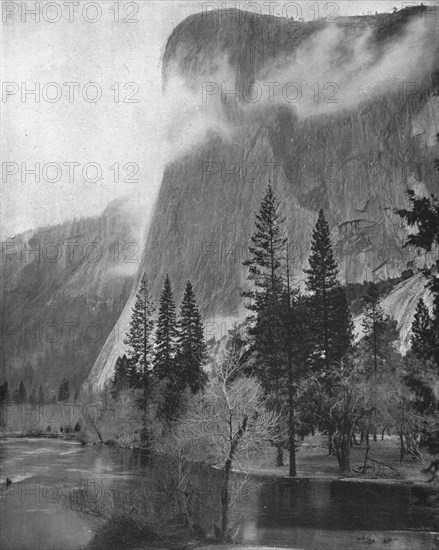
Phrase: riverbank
[38,435]
[312,460]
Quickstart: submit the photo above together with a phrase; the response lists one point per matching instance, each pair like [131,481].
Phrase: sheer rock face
[356,163]
[60,302]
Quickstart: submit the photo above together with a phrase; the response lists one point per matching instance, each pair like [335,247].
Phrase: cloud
[188,120]
[336,70]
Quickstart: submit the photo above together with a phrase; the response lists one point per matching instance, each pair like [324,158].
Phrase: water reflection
[300,514]
[306,513]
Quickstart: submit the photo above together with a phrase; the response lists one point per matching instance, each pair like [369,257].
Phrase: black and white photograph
[219,275]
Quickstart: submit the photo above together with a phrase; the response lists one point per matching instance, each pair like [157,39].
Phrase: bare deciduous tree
[228,422]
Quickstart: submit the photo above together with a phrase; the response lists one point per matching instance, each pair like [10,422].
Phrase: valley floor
[313,461]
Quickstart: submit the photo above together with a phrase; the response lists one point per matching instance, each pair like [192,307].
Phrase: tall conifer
[373,322]
[265,265]
[332,320]
[165,364]
[191,347]
[166,334]
[267,251]
[332,328]
[140,337]
[121,379]
[424,215]
[422,332]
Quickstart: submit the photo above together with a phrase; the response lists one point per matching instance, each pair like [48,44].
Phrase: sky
[92,149]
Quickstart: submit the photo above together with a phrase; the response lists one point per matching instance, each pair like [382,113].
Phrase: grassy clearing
[313,461]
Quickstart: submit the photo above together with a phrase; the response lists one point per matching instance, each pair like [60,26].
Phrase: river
[306,514]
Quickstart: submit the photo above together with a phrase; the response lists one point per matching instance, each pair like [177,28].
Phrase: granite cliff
[356,159]
[356,163]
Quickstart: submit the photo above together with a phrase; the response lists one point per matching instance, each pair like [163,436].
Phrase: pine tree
[122,373]
[333,325]
[422,332]
[343,327]
[139,338]
[267,249]
[267,252]
[373,322]
[134,375]
[64,390]
[424,215]
[166,335]
[165,368]
[191,347]
[296,341]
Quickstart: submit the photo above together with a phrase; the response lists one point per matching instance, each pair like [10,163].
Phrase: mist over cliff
[355,158]
[339,116]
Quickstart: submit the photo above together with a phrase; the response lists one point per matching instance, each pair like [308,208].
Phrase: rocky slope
[60,302]
[400,305]
[356,162]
